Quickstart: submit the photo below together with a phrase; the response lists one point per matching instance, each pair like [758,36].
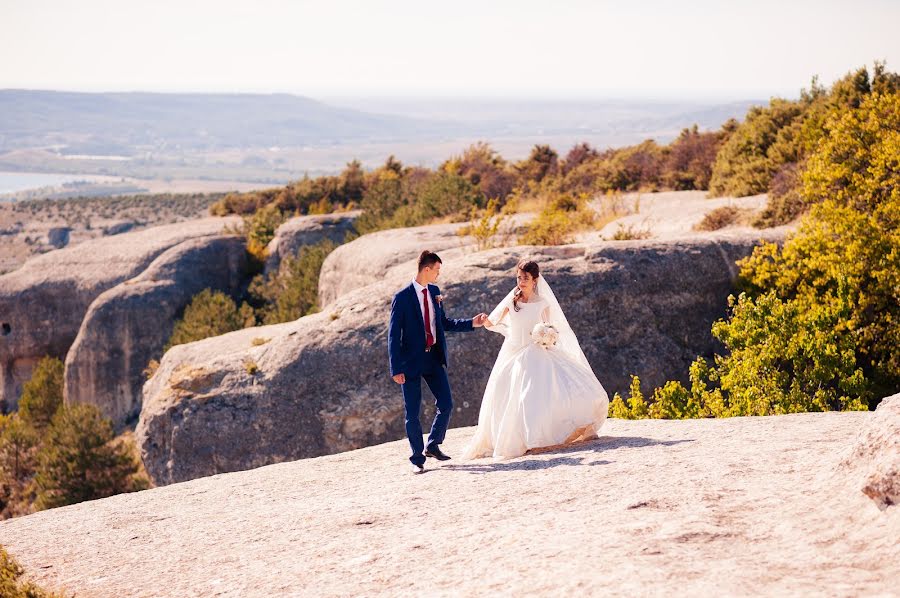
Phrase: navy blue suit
[406,350]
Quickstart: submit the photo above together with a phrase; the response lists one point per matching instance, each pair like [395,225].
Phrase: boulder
[119,227]
[372,257]
[58,236]
[874,460]
[43,302]
[307,230]
[128,325]
[320,384]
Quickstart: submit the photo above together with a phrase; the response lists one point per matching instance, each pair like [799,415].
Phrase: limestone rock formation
[371,257]
[740,506]
[128,325]
[320,384]
[875,458]
[307,230]
[43,302]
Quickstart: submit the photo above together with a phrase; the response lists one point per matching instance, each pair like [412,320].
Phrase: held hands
[480,320]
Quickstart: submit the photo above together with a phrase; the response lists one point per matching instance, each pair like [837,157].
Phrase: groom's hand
[400,378]
[479,320]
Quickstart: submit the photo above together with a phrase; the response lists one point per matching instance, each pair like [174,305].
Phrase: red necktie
[429,338]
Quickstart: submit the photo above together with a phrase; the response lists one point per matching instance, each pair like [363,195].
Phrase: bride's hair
[529,267]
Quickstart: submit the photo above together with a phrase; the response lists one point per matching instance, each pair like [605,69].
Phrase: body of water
[13,182]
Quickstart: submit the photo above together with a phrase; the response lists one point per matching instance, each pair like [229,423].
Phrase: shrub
[743,165]
[381,204]
[722,217]
[688,164]
[630,232]
[260,230]
[43,393]
[634,408]
[819,323]
[486,169]
[292,291]
[785,203]
[542,161]
[210,313]
[485,226]
[79,460]
[445,194]
[11,584]
[857,160]
[561,218]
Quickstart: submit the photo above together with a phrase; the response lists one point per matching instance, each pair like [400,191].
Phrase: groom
[418,350]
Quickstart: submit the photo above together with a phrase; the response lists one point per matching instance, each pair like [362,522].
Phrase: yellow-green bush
[818,326]
[210,313]
[562,217]
[11,583]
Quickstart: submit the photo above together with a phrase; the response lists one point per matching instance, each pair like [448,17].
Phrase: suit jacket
[406,331]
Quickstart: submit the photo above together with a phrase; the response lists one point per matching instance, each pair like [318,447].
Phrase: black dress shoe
[437,454]
[416,468]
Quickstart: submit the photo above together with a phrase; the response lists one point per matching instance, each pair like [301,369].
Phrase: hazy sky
[648,48]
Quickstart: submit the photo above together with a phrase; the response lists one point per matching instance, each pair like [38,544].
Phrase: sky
[480,49]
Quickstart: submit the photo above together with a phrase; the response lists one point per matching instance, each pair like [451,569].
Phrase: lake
[12,182]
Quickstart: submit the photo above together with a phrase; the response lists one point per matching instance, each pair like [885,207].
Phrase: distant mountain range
[125,124]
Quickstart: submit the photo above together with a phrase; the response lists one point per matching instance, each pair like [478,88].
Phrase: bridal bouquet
[545,335]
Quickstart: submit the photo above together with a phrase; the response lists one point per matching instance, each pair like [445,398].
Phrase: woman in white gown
[535,396]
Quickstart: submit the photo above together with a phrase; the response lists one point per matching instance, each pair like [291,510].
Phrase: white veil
[567,342]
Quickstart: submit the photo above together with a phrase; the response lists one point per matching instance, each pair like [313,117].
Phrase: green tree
[542,161]
[382,200]
[79,459]
[210,313]
[292,291]
[18,444]
[43,393]
[446,194]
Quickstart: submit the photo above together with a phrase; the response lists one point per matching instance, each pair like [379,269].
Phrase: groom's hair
[428,258]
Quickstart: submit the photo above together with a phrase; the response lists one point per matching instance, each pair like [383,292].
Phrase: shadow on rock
[522,465]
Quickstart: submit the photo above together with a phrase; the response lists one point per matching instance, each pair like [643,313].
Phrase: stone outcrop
[320,384]
[874,461]
[307,230]
[372,257]
[58,236]
[128,325]
[43,303]
[739,506]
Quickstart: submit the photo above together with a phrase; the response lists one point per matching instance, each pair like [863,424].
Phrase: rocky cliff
[320,384]
[43,303]
[128,325]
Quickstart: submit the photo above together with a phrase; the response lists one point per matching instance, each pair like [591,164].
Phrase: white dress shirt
[431,310]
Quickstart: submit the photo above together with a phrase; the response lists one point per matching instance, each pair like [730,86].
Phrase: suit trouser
[435,377]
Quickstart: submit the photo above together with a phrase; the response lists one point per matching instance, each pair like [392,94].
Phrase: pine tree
[43,393]
[79,461]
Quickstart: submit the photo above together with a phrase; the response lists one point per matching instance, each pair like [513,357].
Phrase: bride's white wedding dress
[536,397]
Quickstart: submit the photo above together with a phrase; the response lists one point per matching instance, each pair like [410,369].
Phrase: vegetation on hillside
[52,454]
[817,324]
[768,151]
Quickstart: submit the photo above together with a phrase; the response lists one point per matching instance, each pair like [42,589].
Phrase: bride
[535,396]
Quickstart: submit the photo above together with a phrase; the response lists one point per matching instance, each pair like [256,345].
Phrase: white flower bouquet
[545,334]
